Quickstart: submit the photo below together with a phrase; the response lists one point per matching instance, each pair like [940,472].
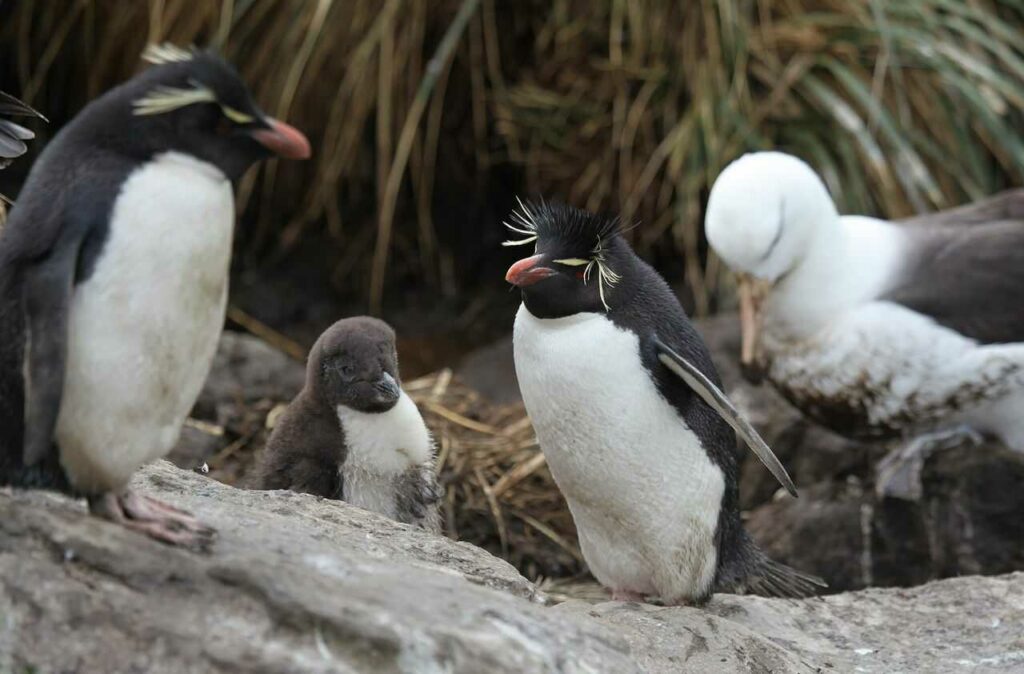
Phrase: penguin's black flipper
[48,285]
[12,139]
[714,397]
[12,107]
[13,136]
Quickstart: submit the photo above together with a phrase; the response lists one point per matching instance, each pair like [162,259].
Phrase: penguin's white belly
[643,493]
[144,327]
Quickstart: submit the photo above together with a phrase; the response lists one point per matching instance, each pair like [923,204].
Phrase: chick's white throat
[386,442]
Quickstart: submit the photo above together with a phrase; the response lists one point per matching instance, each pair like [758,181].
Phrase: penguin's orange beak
[283,139]
[528,271]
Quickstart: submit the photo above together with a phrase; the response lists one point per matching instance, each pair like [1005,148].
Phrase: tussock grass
[632,106]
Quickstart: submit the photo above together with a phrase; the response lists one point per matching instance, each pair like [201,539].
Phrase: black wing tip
[19,107]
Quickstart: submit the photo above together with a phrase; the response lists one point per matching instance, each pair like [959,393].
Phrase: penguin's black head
[195,103]
[578,262]
[355,364]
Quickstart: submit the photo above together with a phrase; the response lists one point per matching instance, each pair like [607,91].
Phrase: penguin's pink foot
[153,518]
[627,595]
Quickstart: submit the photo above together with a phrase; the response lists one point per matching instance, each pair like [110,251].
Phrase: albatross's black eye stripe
[778,231]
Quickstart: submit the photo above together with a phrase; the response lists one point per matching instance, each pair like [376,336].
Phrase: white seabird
[873,328]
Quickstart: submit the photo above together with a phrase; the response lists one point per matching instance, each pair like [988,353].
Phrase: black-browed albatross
[873,328]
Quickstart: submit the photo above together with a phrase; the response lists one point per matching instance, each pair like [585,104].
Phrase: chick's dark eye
[347,370]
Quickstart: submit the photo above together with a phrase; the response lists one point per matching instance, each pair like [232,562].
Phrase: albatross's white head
[765,212]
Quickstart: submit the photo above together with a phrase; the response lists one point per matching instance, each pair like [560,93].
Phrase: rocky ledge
[299,584]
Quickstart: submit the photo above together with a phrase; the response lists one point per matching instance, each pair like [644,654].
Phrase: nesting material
[499,492]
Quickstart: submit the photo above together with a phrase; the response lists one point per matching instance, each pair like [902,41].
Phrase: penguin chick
[353,434]
[626,404]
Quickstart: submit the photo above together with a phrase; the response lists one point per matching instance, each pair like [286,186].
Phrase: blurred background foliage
[427,117]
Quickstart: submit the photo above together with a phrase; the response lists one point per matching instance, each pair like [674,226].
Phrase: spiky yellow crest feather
[167,53]
[163,99]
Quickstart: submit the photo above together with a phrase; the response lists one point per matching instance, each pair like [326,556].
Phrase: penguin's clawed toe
[628,596]
[155,519]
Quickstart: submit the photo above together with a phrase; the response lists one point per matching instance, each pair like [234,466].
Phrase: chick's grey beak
[387,389]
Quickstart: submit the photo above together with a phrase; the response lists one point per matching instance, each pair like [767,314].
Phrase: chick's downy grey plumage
[352,433]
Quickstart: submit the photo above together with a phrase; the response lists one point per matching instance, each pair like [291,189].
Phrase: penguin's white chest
[381,447]
[643,493]
[144,326]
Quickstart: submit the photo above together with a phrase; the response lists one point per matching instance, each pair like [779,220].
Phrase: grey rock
[973,624]
[294,584]
[679,639]
[968,521]
[247,380]
[246,369]
[300,584]
[491,370]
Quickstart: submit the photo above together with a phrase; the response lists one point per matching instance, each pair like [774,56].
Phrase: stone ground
[299,584]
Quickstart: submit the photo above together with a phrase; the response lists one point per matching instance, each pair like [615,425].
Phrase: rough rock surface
[247,380]
[299,584]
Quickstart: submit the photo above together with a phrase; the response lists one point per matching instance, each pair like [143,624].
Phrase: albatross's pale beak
[752,292]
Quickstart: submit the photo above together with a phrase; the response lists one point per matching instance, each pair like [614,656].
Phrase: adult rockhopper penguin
[627,408]
[114,278]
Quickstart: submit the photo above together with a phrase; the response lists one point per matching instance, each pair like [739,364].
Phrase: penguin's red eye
[581,274]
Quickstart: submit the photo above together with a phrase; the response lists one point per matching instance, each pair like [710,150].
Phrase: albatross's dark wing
[966,270]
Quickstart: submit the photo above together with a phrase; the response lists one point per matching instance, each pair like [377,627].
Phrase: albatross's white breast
[143,328]
[643,493]
[885,369]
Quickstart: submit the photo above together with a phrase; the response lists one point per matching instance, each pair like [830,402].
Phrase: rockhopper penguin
[873,328]
[353,434]
[627,408]
[114,279]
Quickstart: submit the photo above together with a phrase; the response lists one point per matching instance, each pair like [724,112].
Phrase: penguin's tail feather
[769,578]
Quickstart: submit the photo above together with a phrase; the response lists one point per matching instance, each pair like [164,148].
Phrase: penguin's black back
[66,201]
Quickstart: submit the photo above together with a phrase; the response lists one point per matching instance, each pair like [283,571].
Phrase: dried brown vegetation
[628,106]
